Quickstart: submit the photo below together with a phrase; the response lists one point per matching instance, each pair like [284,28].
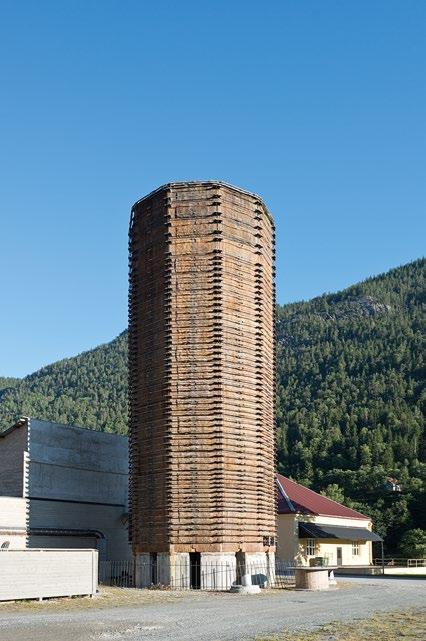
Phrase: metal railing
[117,573]
[401,563]
[194,576]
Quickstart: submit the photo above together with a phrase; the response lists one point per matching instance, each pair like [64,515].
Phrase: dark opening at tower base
[195,570]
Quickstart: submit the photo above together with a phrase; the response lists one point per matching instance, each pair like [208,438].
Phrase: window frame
[310,547]
[356,548]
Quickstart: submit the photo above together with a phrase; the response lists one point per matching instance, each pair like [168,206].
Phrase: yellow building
[310,525]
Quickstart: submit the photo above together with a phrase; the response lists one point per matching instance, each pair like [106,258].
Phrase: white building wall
[290,547]
[13,521]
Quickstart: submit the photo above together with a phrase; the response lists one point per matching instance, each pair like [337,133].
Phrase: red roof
[295,498]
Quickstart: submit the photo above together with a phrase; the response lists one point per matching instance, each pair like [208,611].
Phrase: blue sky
[318,106]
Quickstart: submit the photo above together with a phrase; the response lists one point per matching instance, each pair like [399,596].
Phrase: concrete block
[218,571]
[39,573]
[245,589]
[257,565]
[173,569]
[143,571]
[180,574]
[311,578]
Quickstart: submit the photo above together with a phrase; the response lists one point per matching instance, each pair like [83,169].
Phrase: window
[310,547]
[355,548]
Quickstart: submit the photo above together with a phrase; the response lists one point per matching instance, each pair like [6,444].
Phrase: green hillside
[350,373]
[350,391]
[88,390]
[7,382]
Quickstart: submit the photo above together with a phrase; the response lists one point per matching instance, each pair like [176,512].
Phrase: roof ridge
[326,498]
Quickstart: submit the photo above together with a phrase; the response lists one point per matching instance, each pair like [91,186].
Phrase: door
[195,569]
[339,556]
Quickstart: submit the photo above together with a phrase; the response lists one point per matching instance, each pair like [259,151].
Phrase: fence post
[383,559]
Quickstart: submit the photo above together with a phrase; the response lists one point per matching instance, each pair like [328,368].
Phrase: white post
[246,579]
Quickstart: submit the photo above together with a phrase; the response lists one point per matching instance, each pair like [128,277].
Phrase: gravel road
[201,616]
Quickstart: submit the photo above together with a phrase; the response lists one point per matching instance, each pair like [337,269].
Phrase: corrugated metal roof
[306,501]
[344,533]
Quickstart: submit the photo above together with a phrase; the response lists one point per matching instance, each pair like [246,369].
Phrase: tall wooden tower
[201,376]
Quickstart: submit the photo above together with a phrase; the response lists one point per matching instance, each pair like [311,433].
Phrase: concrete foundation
[246,586]
[179,570]
[218,571]
[246,589]
[143,577]
[163,569]
[206,570]
[260,566]
[270,561]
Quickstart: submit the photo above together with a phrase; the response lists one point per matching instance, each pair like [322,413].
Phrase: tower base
[161,568]
[256,567]
[205,570]
[246,589]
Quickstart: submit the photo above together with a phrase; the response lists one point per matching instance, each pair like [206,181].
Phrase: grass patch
[409,625]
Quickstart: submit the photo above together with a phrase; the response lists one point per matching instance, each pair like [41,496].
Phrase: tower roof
[212,183]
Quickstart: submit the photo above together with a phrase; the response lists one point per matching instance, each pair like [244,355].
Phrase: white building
[63,487]
[310,525]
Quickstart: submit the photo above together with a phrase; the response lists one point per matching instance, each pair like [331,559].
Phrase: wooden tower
[201,376]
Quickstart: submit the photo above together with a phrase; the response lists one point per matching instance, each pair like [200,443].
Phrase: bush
[413,544]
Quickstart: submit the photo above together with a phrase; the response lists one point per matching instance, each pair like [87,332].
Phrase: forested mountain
[7,382]
[350,392]
[350,375]
[88,390]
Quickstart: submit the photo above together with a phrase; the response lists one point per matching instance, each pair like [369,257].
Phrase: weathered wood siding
[201,370]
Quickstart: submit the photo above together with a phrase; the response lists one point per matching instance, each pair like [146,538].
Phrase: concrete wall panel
[77,447]
[71,463]
[106,519]
[13,446]
[36,574]
[48,480]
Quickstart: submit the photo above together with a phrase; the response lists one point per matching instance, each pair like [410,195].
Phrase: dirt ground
[108,597]
[359,610]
